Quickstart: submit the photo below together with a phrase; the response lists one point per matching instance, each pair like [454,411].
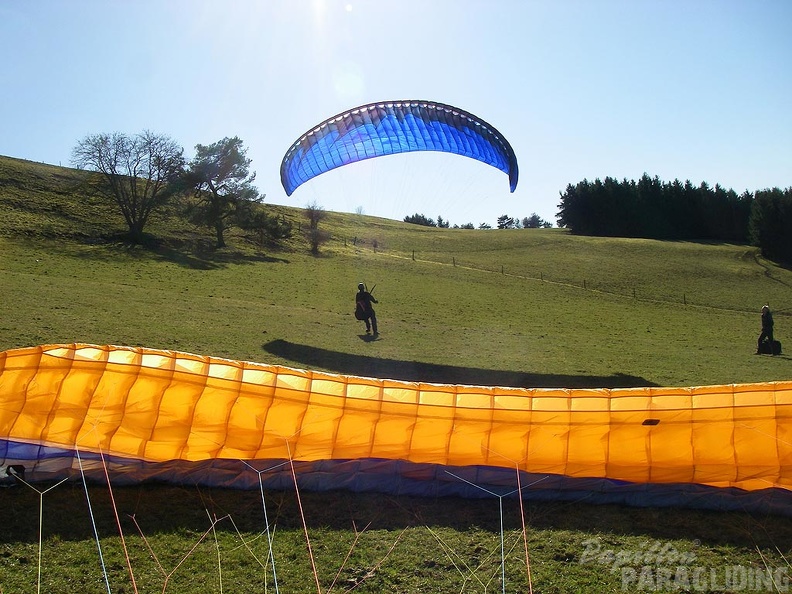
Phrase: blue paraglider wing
[388,128]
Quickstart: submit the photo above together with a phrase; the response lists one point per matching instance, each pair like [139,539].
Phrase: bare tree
[316,237]
[139,173]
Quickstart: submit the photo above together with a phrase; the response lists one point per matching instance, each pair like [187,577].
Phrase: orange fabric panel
[159,405]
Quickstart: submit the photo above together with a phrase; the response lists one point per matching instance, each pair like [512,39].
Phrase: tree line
[653,209]
[504,222]
[144,172]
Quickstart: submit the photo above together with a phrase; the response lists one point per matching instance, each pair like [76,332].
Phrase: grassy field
[527,308]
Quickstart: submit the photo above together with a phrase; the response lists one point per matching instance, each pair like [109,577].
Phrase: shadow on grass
[414,371]
[209,259]
[194,253]
[182,510]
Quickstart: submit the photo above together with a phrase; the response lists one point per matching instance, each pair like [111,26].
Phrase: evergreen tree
[771,224]
[419,219]
[652,209]
[221,180]
[506,222]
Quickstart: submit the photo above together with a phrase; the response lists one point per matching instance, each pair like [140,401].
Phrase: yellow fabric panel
[160,405]
[355,434]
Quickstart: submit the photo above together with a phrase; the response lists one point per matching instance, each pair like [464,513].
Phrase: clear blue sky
[687,89]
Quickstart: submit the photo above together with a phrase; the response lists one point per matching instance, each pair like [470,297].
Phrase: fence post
[413,256]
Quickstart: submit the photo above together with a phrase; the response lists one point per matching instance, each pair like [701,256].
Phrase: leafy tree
[533,222]
[442,223]
[267,228]
[220,178]
[467,226]
[485,226]
[419,219]
[140,173]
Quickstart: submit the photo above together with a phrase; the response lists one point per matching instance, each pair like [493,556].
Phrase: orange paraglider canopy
[146,413]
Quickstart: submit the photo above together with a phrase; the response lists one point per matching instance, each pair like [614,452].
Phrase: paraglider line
[349,553]
[500,510]
[217,548]
[93,520]
[302,517]
[41,520]
[190,552]
[247,546]
[768,569]
[267,527]
[270,538]
[447,550]
[118,521]
[524,532]
[766,434]
[380,562]
[148,546]
[522,511]
[165,574]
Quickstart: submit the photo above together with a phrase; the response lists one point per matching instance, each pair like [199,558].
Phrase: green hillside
[502,307]
[525,307]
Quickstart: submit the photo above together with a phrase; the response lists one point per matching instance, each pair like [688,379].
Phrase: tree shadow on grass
[415,371]
[194,253]
[210,259]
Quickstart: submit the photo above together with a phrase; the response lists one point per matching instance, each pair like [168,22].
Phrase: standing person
[364,310]
[767,330]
